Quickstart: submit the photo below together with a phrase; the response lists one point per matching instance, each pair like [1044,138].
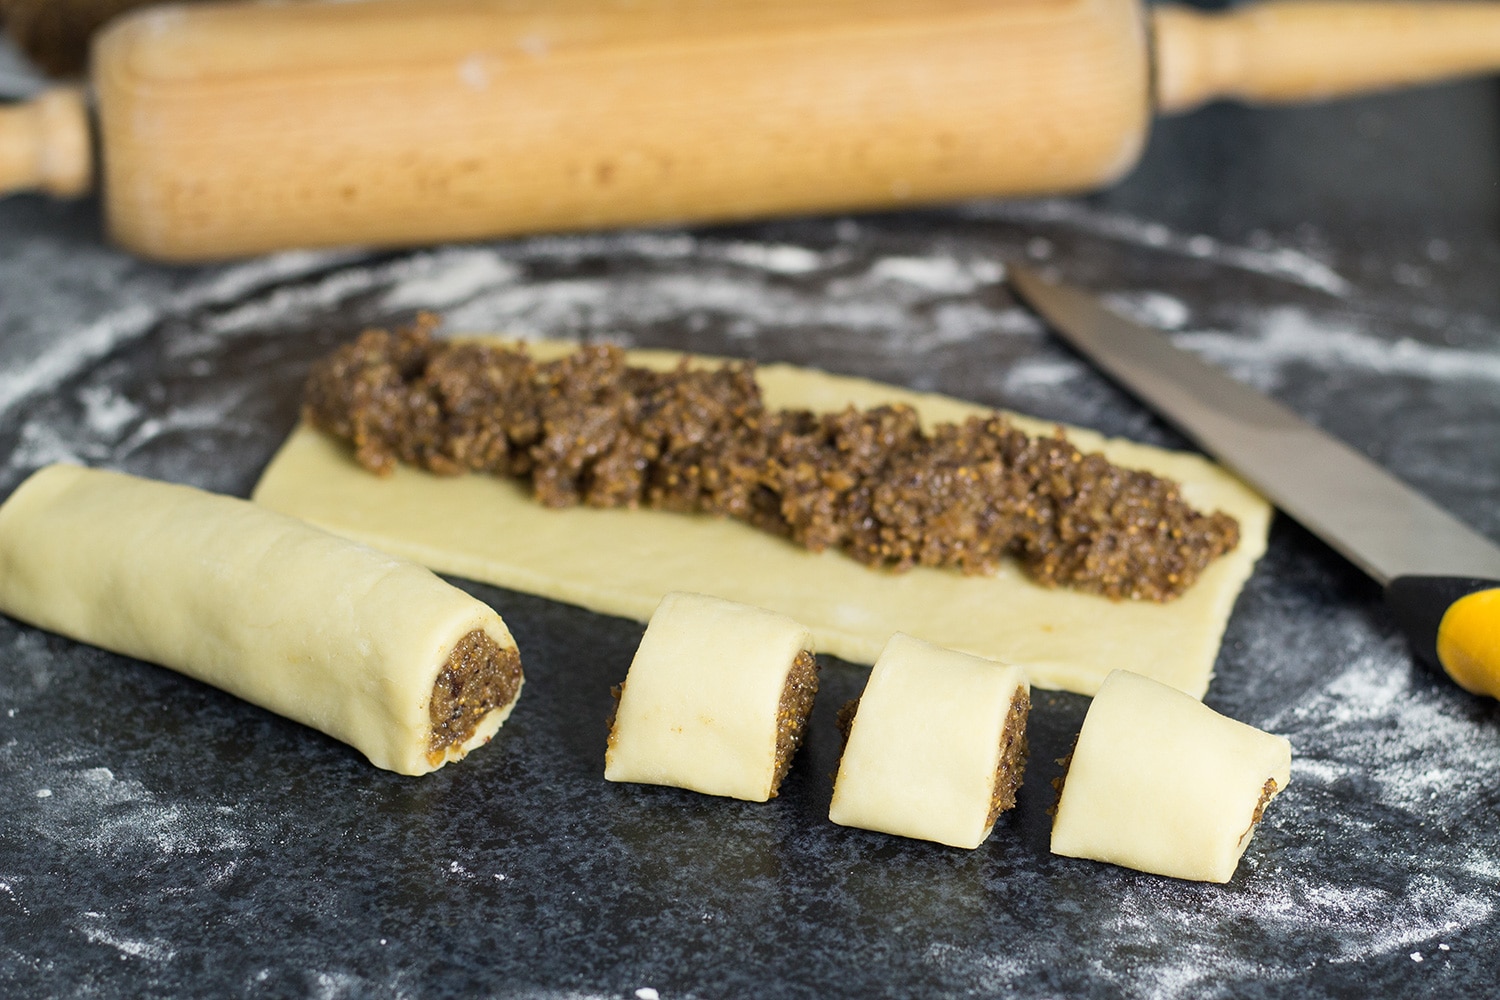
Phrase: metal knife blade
[1380,524]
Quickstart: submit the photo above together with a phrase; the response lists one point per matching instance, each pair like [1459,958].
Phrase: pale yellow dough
[699,707]
[622,562]
[314,627]
[1164,784]
[925,744]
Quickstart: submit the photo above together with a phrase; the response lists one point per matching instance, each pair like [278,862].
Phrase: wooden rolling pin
[230,129]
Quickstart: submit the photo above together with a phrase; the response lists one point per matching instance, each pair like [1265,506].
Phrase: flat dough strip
[622,562]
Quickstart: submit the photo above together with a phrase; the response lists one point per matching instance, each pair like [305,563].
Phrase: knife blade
[1441,577]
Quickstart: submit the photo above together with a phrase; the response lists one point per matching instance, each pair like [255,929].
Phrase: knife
[1441,578]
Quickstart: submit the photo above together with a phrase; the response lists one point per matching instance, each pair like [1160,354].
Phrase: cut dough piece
[1164,784]
[312,626]
[715,701]
[621,562]
[937,745]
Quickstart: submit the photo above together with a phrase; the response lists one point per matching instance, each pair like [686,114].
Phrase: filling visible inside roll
[1013,750]
[1162,783]
[478,677]
[1010,772]
[716,699]
[935,748]
[792,712]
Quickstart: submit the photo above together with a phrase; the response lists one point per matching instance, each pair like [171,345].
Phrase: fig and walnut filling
[590,429]
[792,713]
[1011,768]
[478,677]
[1267,793]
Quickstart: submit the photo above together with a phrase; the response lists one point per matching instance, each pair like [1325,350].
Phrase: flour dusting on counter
[1286,335]
[214,813]
[1289,263]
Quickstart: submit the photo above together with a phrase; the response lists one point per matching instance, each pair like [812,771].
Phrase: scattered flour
[1154,309]
[937,274]
[106,413]
[442,279]
[1366,722]
[151,951]
[778,258]
[1281,262]
[1286,335]
[34,369]
[92,809]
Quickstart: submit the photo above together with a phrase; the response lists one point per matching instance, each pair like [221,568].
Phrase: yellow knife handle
[1453,622]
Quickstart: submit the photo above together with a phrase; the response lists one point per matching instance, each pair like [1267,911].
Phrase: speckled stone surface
[161,839]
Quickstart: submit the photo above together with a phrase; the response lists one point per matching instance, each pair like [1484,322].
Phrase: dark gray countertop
[160,838]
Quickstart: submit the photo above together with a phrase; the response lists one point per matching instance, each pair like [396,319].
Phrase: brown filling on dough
[616,692]
[792,712]
[844,720]
[478,677]
[590,429]
[1013,751]
[1066,763]
[1267,793]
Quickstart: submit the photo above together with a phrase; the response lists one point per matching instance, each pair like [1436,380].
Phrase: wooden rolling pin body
[235,129]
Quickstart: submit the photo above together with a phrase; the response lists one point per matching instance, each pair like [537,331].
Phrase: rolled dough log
[926,746]
[309,625]
[702,705]
[1162,783]
[622,562]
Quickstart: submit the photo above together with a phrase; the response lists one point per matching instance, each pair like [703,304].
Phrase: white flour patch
[286,302]
[151,951]
[990,973]
[67,351]
[9,892]
[238,280]
[648,244]
[334,985]
[446,278]
[105,412]
[42,444]
[1154,309]
[1280,262]
[1287,335]
[93,808]
[943,275]
[613,306]
[778,258]
[603,304]
[1032,374]
[70,353]
[1406,747]
[1019,322]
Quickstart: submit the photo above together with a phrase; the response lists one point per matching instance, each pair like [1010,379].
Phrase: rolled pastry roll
[1162,783]
[937,746]
[716,699]
[374,651]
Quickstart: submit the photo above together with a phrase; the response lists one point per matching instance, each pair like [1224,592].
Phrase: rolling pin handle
[46,145]
[1285,51]
[1453,623]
